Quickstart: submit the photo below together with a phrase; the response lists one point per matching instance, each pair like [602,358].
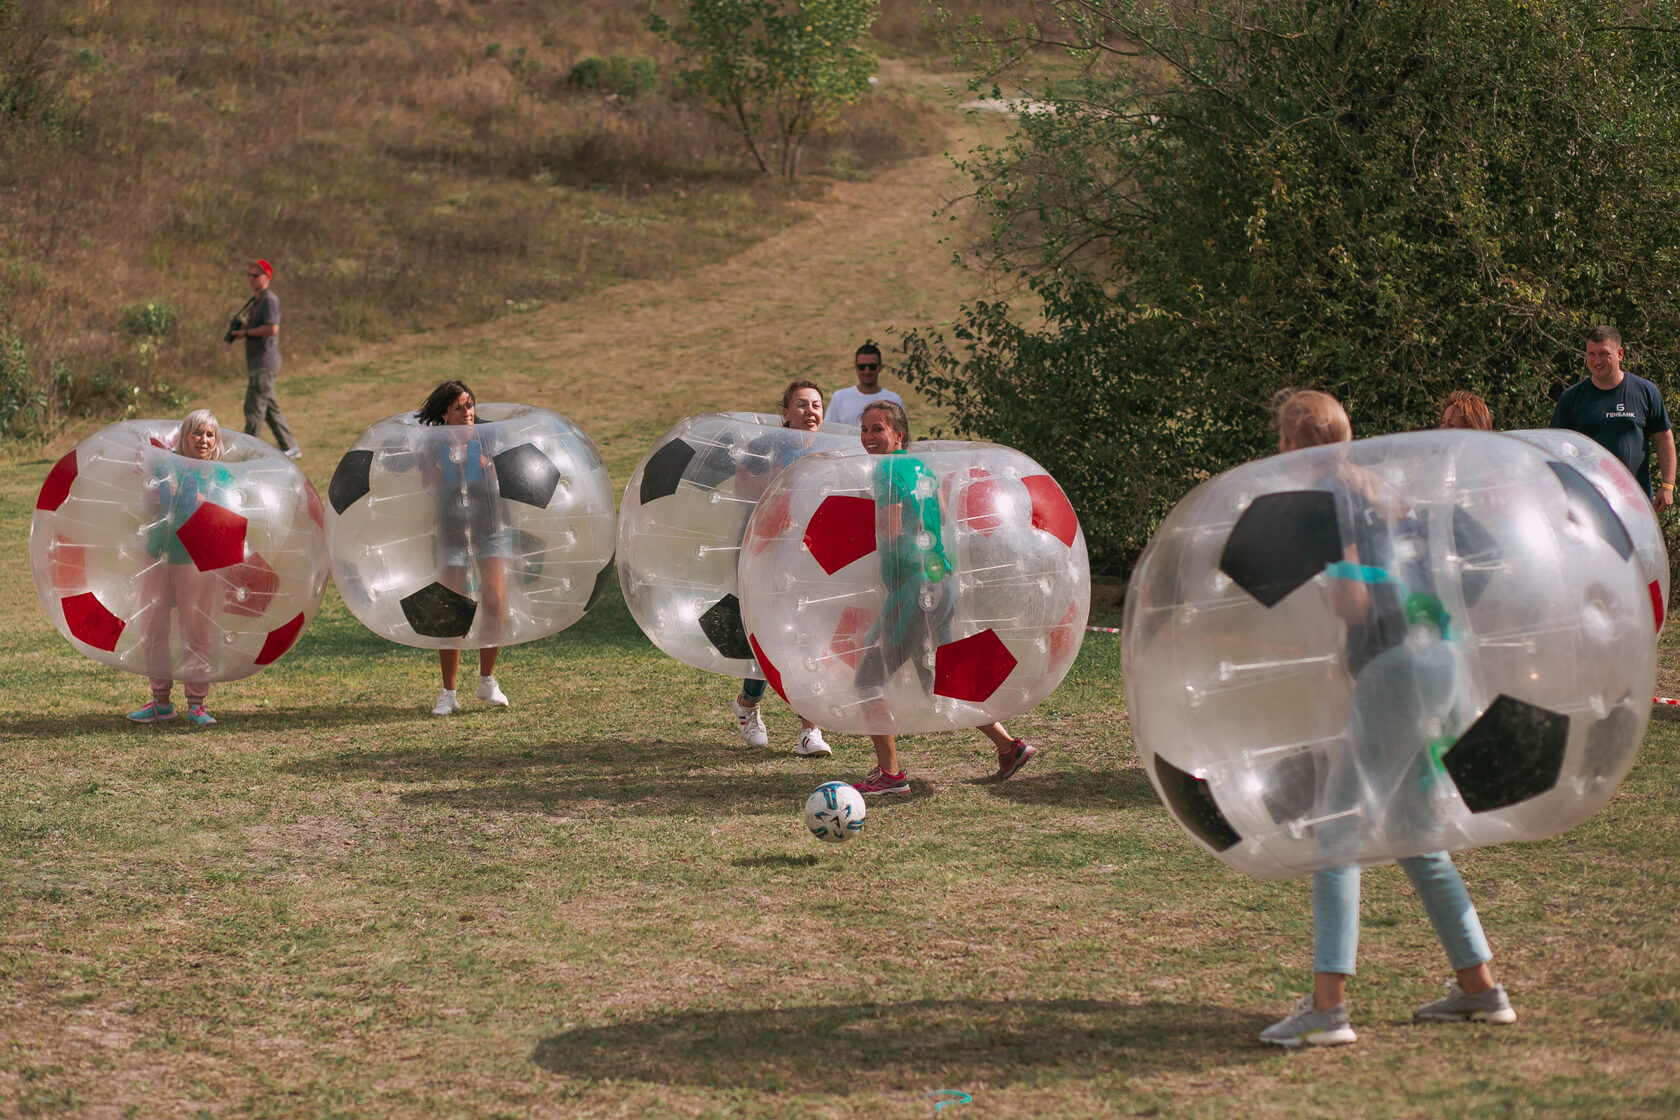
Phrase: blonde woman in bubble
[1389,682]
[174,584]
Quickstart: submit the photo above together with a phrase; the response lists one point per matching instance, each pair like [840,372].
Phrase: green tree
[774,70]
[1386,200]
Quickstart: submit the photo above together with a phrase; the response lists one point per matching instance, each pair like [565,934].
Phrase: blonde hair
[196,419]
[1472,408]
[1309,418]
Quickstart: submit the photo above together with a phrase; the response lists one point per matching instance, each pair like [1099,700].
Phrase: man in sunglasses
[261,333]
[848,404]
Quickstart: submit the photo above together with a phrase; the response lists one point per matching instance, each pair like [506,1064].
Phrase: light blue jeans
[1397,696]
[1438,884]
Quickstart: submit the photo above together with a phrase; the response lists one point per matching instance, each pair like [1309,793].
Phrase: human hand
[1664,498]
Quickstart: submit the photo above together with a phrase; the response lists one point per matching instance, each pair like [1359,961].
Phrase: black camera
[237,323]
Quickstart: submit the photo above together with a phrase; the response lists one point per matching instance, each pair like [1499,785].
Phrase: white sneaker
[491,693]
[447,705]
[751,725]
[811,743]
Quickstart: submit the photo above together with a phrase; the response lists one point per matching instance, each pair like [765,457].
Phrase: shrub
[627,76]
[150,320]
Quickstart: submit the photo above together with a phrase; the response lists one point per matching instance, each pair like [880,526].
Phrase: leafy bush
[776,71]
[152,319]
[625,75]
[1386,201]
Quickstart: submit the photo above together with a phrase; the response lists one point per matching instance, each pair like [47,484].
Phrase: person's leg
[1335,895]
[1000,738]
[449,661]
[487,661]
[886,753]
[267,378]
[1447,902]
[751,692]
[254,407]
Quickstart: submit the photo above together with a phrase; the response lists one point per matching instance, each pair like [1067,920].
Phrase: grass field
[600,903]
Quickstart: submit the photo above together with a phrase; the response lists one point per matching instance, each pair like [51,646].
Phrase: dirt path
[865,261]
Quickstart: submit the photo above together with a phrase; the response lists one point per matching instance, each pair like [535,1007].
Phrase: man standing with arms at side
[1621,411]
[847,405]
[261,333]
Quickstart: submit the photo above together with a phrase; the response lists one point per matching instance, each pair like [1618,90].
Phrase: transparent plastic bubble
[1356,653]
[517,509]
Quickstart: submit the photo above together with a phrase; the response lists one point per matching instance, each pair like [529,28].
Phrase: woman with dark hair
[802,410]
[915,569]
[470,535]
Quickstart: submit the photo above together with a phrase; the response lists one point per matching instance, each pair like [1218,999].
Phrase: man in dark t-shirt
[1622,412]
[261,333]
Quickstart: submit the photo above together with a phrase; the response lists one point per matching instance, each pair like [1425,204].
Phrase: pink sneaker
[879,782]
[1020,753]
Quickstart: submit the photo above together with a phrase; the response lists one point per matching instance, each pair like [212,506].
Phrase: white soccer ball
[835,812]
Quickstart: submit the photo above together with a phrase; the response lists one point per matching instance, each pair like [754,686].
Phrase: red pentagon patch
[314,501]
[1656,602]
[841,531]
[90,623]
[847,643]
[1052,512]
[972,668]
[57,486]
[981,507]
[214,536]
[66,563]
[771,673]
[280,640]
[249,587]
[769,521]
[1065,638]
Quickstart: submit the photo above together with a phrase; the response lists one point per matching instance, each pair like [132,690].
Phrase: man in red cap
[261,333]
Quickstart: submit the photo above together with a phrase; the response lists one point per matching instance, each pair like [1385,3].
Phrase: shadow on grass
[230,720]
[1080,789]
[634,777]
[775,861]
[906,1046]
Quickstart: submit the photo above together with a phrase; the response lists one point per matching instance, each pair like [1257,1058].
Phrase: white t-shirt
[847,405]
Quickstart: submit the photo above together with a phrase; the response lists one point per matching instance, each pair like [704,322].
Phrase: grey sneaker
[1304,1026]
[1461,1007]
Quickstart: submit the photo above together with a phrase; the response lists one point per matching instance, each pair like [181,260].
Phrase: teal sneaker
[155,712]
[198,717]
[1306,1027]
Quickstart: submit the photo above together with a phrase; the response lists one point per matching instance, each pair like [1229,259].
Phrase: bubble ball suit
[946,588]
[1626,497]
[429,522]
[166,566]
[680,527]
[1366,651]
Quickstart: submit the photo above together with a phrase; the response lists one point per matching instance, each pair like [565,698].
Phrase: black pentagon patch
[1610,741]
[723,628]
[349,480]
[1513,752]
[525,474]
[1192,803]
[1280,542]
[435,611]
[1289,788]
[600,587]
[1588,508]
[1479,551]
[664,470]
